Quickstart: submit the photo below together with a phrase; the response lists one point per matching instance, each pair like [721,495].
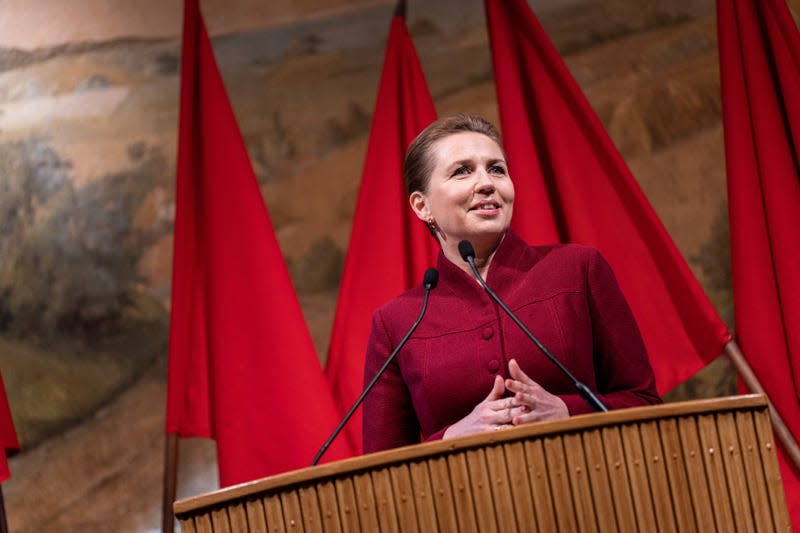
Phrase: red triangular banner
[8,435]
[378,268]
[242,366]
[572,185]
[759,49]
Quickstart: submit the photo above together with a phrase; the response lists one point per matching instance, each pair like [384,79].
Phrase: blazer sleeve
[624,377]
[389,419]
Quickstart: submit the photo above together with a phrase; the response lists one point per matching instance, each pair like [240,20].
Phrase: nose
[484,183]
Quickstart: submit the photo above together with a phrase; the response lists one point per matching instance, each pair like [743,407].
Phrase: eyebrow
[465,162]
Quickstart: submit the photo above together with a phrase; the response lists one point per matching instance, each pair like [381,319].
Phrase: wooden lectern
[707,465]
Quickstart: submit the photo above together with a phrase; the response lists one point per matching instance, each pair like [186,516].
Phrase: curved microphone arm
[429,282]
[468,255]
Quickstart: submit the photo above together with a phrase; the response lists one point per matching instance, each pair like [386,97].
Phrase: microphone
[429,282]
[468,255]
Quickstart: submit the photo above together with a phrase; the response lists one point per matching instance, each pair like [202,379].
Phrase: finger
[506,416]
[528,399]
[491,417]
[527,418]
[498,388]
[529,386]
[502,404]
[517,411]
[501,411]
[542,413]
[518,387]
[515,386]
[516,372]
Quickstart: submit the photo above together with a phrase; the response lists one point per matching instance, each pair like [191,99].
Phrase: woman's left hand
[540,404]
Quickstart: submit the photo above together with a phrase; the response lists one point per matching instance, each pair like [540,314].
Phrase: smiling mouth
[486,207]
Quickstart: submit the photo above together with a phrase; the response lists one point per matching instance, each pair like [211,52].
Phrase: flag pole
[170,483]
[785,436]
[3,522]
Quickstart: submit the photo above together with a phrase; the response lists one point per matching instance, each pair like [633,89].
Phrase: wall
[88,124]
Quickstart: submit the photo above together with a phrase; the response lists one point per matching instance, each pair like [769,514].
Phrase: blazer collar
[502,269]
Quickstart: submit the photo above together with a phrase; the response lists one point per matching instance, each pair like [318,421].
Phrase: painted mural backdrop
[88,128]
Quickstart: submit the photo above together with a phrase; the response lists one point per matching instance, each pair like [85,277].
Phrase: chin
[496,227]
[487,232]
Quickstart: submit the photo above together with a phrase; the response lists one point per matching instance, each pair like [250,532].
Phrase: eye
[461,171]
[497,169]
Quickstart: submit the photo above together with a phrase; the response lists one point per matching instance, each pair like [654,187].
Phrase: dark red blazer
[565,294]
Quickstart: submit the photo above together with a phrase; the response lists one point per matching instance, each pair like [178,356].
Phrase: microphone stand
[430,280]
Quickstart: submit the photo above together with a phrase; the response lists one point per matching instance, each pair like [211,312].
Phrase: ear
[419,203]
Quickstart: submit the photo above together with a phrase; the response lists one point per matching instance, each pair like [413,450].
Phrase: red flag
[759,50]
[572,185]
[8,435]
[389,247]
[242,366]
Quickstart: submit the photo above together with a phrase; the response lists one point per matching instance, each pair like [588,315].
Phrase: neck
[484,253]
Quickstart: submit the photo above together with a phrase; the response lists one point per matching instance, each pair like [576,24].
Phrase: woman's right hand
[494,412]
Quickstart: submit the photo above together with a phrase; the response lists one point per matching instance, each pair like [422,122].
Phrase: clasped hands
[530,403]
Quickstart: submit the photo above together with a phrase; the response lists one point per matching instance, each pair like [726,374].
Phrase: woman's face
[470,194]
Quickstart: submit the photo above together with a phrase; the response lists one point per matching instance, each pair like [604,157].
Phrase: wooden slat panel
[434,481]
[328,506]
[404,498]
[715,469]
[777,500]
[540,485]
[637,474]
[423,496]
[384,500]
[309,503]
[359,464]
[219,521]
[238,517]
[202,523]
[754,473]
[273,511]
[696,474]
[187,525]
[657,473]
[678,482]
[443,490]
[348,506]
[501,493]
[481,491]
[256,519]
[597,472]
[365,499]
[559,483]
[292,514]
[734,472]
[520,487]
[618,478]
[462,495]
[579,481]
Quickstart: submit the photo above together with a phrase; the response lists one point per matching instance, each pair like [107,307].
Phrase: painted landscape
[88,131]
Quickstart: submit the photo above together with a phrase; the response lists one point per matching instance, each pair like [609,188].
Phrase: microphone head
[466,250]
[431,278]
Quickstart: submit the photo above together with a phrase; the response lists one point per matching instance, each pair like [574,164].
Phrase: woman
[468,368]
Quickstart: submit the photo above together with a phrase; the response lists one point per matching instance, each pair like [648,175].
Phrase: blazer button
[494,366]
[487,333]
